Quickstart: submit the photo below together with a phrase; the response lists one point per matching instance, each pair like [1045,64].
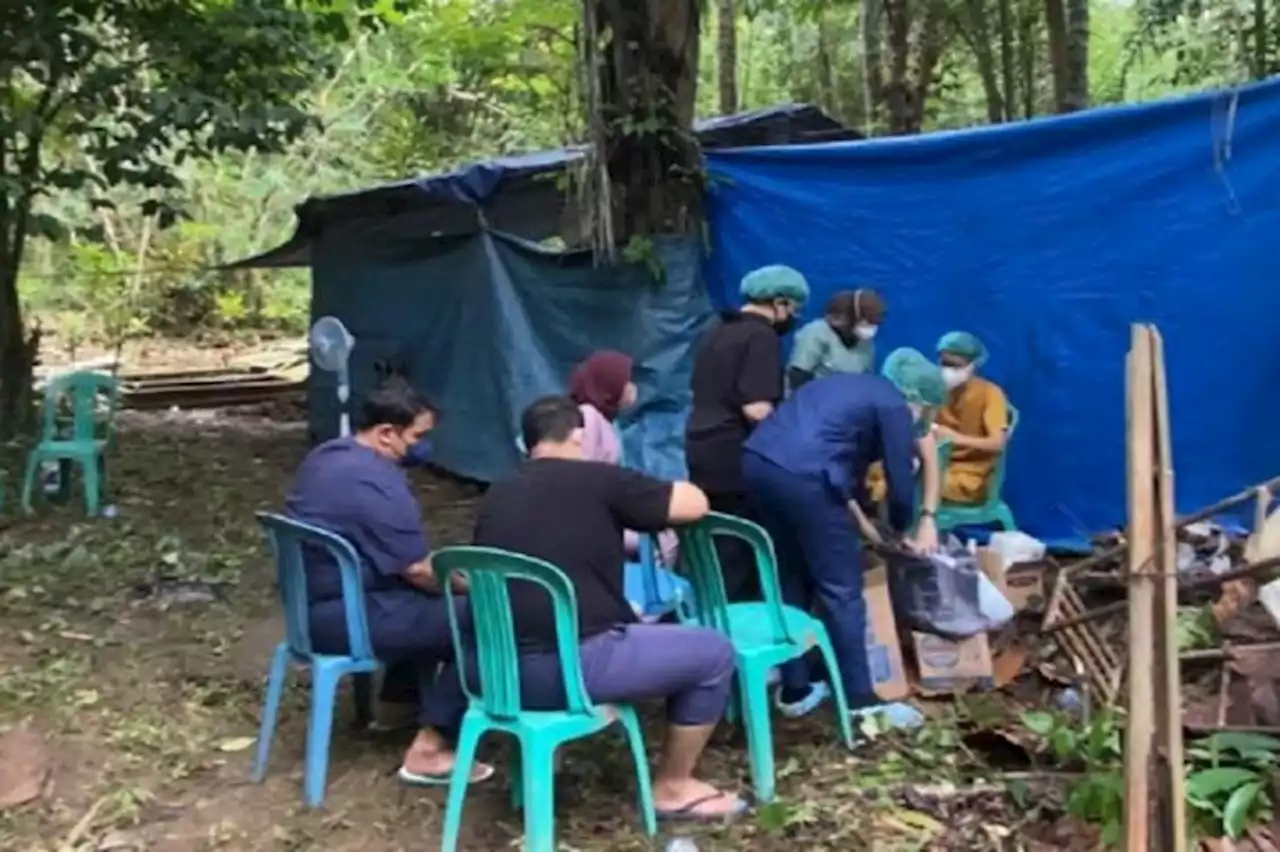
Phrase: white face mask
[954,377]
[865,330]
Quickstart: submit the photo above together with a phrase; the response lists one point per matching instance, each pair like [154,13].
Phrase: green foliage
[1197,628]
[1229,776]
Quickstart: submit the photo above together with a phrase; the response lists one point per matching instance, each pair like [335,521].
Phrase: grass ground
[148,704]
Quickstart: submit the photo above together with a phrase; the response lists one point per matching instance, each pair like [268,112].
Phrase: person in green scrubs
[840,342]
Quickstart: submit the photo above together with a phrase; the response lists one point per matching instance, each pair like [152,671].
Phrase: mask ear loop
[857,306]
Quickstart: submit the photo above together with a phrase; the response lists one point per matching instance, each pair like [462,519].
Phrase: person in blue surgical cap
[803,467]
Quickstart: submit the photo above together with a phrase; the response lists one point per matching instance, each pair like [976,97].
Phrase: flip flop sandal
[690,814]
[413,779]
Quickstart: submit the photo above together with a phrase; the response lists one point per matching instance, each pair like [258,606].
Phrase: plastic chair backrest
[701,562]
[289,539]
[83,388]
[487,571]
[997,476]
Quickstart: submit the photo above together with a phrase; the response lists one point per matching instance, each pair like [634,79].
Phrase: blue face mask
[418,454]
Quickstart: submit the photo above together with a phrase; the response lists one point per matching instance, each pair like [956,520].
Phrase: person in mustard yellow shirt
[975,418]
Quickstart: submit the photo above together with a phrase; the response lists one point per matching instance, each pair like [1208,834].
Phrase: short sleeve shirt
[738,361]
[347,488]
[572,514]
[819,351]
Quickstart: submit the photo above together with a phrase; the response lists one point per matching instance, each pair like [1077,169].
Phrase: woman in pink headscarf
[602,387]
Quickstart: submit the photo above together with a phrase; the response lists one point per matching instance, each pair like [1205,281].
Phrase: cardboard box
[1022,584]
[946,665]
[884,647]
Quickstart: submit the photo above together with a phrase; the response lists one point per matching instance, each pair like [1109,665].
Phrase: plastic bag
[944,593]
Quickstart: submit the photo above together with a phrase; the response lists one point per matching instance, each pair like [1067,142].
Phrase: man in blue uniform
[803,467]
[356,487]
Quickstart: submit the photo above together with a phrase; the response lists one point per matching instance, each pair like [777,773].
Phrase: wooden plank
[1171,795]
[1140,730]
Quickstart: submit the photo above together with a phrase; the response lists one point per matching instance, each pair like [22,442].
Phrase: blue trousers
[819,566]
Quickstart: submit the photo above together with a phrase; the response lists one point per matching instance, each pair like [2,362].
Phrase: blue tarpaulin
[1047,239]
[486,323]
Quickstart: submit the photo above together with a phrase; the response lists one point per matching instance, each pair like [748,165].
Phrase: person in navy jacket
[803,467]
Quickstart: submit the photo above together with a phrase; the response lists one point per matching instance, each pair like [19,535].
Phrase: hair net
[916,376]
[775,282]
[965,345]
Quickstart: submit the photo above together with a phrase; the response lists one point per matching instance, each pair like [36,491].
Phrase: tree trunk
[727,55]
[1261,61]
[1028,51]
[978,35]
[897,90]
[1056,21]
[1077,95]
[872,14]
[827,98]
[646,83]
[1008,72]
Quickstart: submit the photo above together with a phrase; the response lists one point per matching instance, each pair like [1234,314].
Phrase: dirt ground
[147,702]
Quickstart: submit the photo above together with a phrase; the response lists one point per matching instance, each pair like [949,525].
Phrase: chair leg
[755,717]
[29,480]
[837,684]
[362,691]
[644,783]
[538,789]
[1005,516]
[90,483]
[271,710]
[472,730]
[324,693]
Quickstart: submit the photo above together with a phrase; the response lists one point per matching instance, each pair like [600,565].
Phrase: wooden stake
[1171,795]
[1139,732]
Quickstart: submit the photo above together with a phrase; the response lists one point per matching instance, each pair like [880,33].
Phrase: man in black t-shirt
[737,380]
[571,513]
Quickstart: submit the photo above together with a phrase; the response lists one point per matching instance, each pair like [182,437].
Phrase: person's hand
[925,541]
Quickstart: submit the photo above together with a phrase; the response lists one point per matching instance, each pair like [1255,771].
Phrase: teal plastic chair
[764,635]
[994,510]
[288,537]
[85,443]
[496,705]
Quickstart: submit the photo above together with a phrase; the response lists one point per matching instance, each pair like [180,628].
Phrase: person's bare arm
[688,503]
[757,411]
[421,575]
[992,444]
[929,473]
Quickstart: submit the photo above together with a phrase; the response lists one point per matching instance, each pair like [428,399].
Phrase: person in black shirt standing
[572,513]
[737,380]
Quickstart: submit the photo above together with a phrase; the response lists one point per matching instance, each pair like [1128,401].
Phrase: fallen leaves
[24,766]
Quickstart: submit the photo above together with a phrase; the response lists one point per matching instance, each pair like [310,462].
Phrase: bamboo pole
[1171,795]
[1139,732]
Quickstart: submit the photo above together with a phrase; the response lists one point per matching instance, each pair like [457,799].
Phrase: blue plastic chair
[993,510]
[496,707]
[288,538]
[764,635]
[89,437]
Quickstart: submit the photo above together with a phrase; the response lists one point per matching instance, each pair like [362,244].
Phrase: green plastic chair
[764,635]
[994,510]
[497,705]
[86,441]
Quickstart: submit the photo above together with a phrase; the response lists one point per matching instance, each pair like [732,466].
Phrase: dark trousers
[737,562]
[410,634]
[819,562]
